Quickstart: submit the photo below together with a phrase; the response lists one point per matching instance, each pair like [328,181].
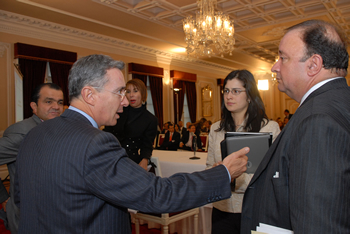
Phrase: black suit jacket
[173,144]
[74,178]
[183,131]
[303,182]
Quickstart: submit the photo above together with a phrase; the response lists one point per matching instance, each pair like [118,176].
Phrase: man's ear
[89,95]
[34,107]
[315,64]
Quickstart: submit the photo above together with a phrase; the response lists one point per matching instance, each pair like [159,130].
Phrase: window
[186,114]
[48,78]
[149,106]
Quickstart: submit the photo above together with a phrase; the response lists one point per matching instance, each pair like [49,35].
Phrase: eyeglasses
[234,91]
[120,93]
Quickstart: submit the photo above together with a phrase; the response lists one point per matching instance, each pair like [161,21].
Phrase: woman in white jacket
[242,111]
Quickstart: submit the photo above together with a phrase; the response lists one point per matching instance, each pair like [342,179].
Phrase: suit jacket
[183,131]
[9,146]
[186,137]
[303,182]
[173,144]
[74,178]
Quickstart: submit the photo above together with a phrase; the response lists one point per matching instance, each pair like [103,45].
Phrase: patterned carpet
[143,229]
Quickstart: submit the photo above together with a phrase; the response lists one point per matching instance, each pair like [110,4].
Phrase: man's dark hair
[319,39]
[36,91]
[286,110]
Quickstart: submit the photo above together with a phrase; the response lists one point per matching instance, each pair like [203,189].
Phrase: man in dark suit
[182,129]
[189,138]
[303,182]
[287,114]
[75,178]
[165,128]
[46,103]
[171,139]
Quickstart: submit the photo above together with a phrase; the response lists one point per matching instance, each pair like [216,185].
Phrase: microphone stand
[194,148]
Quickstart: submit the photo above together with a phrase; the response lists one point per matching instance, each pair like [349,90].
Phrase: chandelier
[211,33]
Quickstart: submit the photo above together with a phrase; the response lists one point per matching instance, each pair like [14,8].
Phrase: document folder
[258,143]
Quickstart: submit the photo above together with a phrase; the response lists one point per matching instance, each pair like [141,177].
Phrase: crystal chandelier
[211,33]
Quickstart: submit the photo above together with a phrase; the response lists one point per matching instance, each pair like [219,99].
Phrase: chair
[204,139]
[165,219]
[155,143]
[160,139]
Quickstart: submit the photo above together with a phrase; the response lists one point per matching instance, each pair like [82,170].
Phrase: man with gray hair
[75,178]
[303,182]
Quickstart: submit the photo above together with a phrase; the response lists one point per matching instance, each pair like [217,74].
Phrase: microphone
[194,143]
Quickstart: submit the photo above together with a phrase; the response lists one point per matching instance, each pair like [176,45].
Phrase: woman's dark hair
[256,110]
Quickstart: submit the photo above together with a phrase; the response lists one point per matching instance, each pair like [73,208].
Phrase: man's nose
[275,67]
[55,105]
[125,102]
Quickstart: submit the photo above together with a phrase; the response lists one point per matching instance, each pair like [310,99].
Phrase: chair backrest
[155,143]
[160,139]
[204,140]
[157,170]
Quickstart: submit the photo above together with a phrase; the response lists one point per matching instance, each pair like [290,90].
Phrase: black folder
[258,143]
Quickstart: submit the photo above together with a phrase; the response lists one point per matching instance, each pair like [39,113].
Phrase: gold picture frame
[207,101]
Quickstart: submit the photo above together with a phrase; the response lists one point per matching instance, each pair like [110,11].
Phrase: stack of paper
[268,229]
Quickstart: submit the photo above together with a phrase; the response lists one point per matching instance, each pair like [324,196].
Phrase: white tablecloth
[172,162]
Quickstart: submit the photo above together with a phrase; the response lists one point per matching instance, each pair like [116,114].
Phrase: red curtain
[156,86]
[179,96]
[140,77]
[191,99]
[59,75]
[33,74]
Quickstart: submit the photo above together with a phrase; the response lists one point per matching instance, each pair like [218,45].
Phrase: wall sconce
[263,84]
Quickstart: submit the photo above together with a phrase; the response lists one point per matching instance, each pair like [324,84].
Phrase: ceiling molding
[44,30]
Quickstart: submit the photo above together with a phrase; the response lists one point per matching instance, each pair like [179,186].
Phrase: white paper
[272,229]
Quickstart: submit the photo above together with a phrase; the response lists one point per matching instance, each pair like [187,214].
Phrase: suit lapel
[267,157]
[337,83]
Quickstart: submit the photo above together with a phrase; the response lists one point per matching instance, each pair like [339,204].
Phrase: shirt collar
[315,87]
[92,121]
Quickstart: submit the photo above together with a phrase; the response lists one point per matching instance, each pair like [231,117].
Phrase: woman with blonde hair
[137,127]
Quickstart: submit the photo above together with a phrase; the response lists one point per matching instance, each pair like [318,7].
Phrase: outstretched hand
[236,163]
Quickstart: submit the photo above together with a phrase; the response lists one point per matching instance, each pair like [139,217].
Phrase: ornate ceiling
[157,24]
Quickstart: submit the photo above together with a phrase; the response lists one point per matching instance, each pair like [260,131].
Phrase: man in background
[190,139]
[75,178]
[171,139]
[303,182]
[287,114]
[47,103]
[165,128]
[182,128]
